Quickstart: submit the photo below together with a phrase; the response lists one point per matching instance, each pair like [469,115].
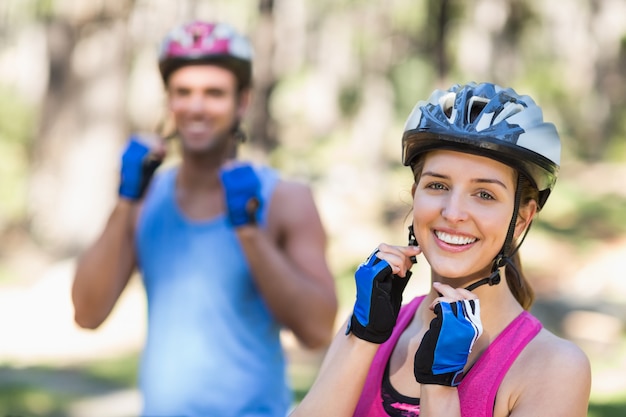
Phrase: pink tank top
[477,391]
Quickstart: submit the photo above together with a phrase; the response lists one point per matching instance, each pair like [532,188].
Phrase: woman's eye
[485,195]
[436,186]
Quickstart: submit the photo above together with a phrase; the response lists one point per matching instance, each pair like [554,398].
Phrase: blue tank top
[212,347]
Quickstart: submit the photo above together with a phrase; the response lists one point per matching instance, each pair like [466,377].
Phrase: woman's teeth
[454,239]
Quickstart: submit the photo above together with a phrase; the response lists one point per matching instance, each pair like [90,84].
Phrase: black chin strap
[492,279]
[238,133]
[412,242]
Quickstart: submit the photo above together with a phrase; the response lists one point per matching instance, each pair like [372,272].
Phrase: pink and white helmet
[204,42]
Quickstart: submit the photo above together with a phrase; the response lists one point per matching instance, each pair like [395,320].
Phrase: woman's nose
[454,209]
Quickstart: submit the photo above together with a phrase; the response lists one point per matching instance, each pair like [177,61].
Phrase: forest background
[334,82]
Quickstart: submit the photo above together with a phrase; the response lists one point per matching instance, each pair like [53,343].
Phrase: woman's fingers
[398,257]
[450,295]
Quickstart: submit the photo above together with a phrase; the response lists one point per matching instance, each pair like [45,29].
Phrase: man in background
[229,252]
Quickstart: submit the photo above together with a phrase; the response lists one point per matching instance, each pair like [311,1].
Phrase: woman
[484,163]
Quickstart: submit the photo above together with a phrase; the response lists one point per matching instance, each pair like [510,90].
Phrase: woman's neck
[464,282]
[498,306]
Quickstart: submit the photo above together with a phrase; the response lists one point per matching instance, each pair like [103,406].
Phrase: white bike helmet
[488,120]
[205,42]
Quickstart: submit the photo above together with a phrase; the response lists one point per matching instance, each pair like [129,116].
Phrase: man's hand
[446,346]
[139,161]
[242,190]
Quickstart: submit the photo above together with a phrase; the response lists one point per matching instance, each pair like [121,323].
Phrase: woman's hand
[444,350]
[398,257]
[447,294]
[380,281]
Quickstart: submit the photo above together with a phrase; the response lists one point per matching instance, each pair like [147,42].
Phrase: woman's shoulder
[551,373]
[551,352]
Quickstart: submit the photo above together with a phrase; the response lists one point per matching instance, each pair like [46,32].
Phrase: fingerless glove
[378,300]
[242,190]
[444,350]
[138,166]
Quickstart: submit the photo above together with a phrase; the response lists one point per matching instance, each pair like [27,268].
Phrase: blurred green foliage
[26,401]
[580,216]
[24,394]
[611,409]
[17,126]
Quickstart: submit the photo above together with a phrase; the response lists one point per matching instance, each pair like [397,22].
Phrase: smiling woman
[484,163]
[529,195]
[460,203]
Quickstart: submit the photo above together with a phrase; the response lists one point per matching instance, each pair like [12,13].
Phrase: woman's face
[462,208]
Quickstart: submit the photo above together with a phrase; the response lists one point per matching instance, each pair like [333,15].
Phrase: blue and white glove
[138,166]
[242,190]
[378,300]
[444,350]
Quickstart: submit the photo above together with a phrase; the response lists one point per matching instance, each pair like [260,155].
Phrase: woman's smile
[462,208]
[452,239]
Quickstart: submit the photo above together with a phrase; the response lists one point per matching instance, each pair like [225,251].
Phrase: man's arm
[105,268]
[289,265]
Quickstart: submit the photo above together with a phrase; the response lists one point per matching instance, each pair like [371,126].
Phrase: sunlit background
[334,81]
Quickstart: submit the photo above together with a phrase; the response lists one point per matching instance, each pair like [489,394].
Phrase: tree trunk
[74,156]
[262,129]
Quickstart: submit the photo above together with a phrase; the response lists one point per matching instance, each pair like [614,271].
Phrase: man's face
[204,102]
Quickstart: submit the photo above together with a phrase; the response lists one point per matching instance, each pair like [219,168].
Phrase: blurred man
[229,252]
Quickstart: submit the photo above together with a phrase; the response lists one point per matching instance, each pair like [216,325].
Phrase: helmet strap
[412,242]
[238,134]
[492,279]
[504,257]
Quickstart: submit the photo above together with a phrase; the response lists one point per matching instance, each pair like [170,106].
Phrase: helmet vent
[447,104]
[509,109]
[474,107]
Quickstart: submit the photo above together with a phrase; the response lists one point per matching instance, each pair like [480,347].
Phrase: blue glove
[138,166]
[242,190]
[378,300]
[444,350]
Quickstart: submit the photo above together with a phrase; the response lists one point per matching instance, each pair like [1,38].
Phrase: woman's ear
[413,188]
[525,216]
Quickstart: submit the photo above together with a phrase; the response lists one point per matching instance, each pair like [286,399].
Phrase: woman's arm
[380,281]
